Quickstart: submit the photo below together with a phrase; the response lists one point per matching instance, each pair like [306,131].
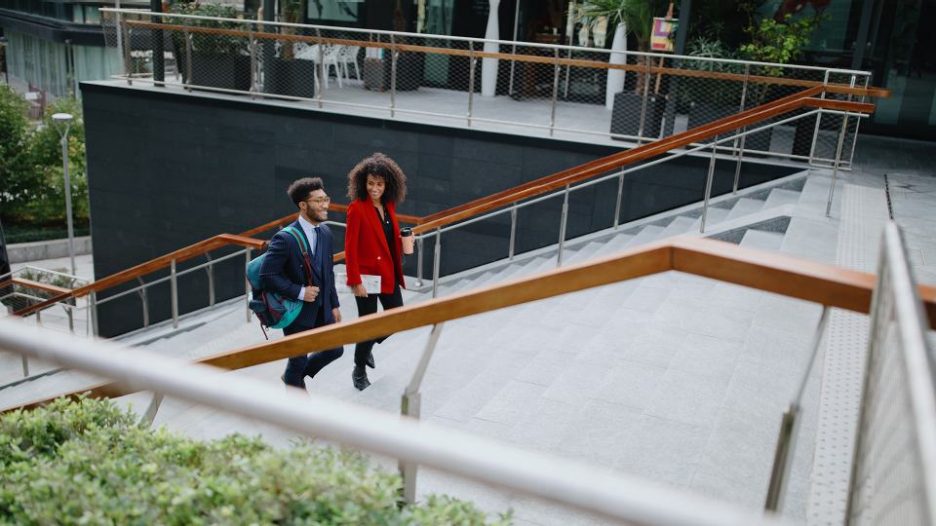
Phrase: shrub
[90,463]
[32,189]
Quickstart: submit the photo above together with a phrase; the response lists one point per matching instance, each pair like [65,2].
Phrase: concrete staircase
[672,377]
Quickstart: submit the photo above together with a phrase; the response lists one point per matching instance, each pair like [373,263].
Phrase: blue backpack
[273,310]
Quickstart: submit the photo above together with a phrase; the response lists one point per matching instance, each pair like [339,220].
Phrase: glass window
[334,10]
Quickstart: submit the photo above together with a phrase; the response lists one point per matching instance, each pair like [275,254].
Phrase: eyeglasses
[320,200]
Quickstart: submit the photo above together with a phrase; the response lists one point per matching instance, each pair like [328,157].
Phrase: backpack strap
[299,239]
[306,259]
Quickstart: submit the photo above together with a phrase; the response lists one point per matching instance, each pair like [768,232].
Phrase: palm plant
[635,15]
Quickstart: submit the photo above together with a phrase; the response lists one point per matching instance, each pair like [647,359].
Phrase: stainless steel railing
[894,472]
[579,114]
[616,496]
[726,147]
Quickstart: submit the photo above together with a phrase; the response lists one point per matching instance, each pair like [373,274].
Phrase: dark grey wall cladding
[170,169]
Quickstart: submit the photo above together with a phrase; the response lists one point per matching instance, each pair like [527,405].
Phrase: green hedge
[17,234]
[88,462]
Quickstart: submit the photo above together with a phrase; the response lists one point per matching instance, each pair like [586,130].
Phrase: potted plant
[779,42]
[287,74]
[218,61]
[635,17]
[709,99]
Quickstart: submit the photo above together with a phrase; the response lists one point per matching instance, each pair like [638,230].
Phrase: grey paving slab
[762,240]
[687,397]
[743,207]
[664,450]
[780,197]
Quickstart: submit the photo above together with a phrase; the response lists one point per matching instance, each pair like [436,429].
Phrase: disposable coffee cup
[406,235]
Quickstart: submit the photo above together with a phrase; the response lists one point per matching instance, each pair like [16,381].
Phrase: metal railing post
[737,170]
[92,307]
[71,318]
[786,441]
[410,405]
[563,222]
[513,232]
[436,259]
[864,98]
[39,318]
[419,261]
[739,142]
[643,102]
[150,414]
[323,80]
[188,60]
[472,61]
[128,63]
[815,136]
[247,290]
[254,65]
[617,203]
[25,360]
[555,94]
[174,293]
[708,184]
[144,302]
[118,19]
[211,284]
[393,74]
[836,161]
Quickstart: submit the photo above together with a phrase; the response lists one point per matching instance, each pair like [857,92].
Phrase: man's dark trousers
[283,272]
[298,367]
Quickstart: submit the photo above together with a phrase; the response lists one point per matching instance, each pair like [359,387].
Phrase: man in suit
[284,272]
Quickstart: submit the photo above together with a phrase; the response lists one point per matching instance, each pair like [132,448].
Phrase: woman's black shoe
[359,378]
[370,360]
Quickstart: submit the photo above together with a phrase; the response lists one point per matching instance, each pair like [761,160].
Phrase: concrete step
[762,240]
[781,197]
[679,225]
[713,217]
[743,207]
[586,252]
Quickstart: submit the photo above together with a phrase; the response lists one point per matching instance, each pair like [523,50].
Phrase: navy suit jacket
[282,272]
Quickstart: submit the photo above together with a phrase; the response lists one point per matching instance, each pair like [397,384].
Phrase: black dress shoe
[283,378]
[370,360]
[359,378]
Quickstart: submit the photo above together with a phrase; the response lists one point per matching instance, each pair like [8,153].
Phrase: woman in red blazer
[373,246]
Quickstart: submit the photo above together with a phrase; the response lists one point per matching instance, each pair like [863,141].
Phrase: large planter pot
[409,73]
[221,71]
[291,77]
[625,115]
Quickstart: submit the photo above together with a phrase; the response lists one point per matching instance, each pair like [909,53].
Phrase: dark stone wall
[168,169]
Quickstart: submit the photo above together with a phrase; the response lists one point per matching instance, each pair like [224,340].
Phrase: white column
[618,56]
[489,65]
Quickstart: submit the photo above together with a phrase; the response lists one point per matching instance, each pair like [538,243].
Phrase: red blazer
[366,250]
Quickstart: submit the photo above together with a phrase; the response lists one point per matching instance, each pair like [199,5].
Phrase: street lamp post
[65,119]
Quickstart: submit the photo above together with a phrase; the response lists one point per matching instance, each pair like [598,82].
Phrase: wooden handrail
[28,283]
[648,67]
[628,157]
[767,271]
[533,188]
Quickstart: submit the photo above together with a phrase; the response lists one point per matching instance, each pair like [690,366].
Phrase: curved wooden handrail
[634,155]
[792,277]
[474,208]
[647,67]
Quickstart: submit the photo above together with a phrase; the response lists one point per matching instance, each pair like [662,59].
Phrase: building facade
[51,46]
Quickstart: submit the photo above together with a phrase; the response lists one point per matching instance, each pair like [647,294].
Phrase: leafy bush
[90,463]
[15,182]
[213,43]
[32,189]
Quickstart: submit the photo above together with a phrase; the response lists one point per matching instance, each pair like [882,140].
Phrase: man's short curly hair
[381,166]
[300,189]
